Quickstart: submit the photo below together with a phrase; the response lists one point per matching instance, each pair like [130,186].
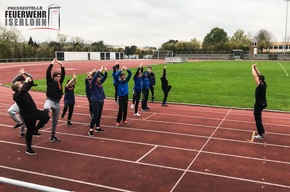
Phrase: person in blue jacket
[145,91]
[69,99]
[115,69]
[123,89]
[97,99]
[137,90]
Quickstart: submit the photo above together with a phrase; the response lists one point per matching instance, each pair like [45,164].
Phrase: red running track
[174,148]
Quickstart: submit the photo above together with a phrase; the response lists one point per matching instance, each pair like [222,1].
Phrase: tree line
[12,45]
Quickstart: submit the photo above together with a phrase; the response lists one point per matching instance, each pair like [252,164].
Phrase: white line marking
[63,178]
[200,151]
[283,69]
[146,154]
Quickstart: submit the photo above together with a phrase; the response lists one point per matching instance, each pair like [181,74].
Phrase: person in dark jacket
[97,99]
[54,94]
[28,110]
[115,69]
[260,101]
[123,89]
[145,91]
[14,109]
[165,87]
[88,80]
[137,90]
[152,80]
[69,99]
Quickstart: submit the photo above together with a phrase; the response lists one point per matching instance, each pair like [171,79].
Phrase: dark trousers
[97,107]
[70,107]
[116,92]
[90,103]
[258,118]
[166,91]
[152,92]
[145,94]
[30,122]
[123,108]
[136,99]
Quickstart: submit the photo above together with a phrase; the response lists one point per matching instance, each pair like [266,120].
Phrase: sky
[154,22]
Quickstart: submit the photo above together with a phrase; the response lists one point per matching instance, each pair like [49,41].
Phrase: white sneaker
[137,114]
[132,106]
[258,137]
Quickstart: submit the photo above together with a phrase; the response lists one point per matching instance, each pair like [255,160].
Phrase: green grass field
[214,83]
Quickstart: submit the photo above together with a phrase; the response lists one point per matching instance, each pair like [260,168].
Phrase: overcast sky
[153,22]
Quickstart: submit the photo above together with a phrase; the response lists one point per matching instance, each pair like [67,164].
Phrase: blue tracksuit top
[97,91]
[145,81]
[137,81]
[123,88]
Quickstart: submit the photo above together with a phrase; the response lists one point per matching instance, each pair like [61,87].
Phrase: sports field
[213,83]
[179,148]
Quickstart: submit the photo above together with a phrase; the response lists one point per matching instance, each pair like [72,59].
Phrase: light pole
[285,46]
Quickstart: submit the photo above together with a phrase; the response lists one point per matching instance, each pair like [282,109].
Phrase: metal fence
[16,60]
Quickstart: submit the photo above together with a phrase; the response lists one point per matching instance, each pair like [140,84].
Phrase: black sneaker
[53,139]
[69,123]
[91,133]
[17,125]
[99,130]
[30,151]
[22,135]
[36,133]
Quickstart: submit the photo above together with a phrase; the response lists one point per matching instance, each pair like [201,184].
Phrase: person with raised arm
[260,101]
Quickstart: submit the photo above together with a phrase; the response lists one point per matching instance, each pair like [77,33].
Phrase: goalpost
[162,54]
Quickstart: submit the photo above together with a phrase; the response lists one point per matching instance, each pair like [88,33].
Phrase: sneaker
[164,105]
[17,125]
[36,133]
[132,106]
[125,123]
[137,114]
[258,137]
[91,133]
[117,124]
[99,130]
[69,123]
[30,151]
[53,139]
[22,135]
[147,108]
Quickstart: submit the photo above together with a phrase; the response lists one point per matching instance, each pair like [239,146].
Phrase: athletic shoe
[258,137]
[125,123]
[132,106]
[117,124]
[53,139]
[144,110]
[17,125]
[22,135]
[36,133]
[91,133]
[99,130]
[164,105]
[30,151]
[69,123]
[137,114]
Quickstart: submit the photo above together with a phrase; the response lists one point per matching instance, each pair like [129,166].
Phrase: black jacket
[53,91]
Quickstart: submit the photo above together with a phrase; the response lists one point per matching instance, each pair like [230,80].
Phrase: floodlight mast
[285,46]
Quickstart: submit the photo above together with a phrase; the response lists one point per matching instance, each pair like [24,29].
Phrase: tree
[215,39]
[99,46]
[239,40]
[169,45]
[264,39]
